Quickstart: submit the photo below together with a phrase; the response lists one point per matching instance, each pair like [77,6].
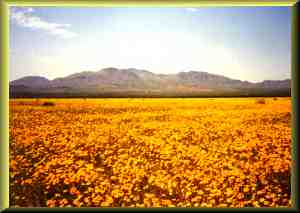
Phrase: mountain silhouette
[126,81]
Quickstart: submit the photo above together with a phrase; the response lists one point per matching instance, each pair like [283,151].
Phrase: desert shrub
[275,99]
[48,103]
[260,101]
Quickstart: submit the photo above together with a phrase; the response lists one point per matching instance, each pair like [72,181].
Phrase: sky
[245,43]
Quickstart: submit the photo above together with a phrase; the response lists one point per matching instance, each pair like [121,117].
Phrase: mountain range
[134,82]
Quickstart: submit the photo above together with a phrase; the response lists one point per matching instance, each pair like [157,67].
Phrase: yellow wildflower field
[180,152]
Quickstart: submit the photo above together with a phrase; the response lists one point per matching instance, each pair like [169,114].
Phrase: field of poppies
[221,152]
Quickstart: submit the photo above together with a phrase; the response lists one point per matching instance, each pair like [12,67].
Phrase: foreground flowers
[150,153]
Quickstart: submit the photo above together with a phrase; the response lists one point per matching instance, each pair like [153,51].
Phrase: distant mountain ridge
[113,80]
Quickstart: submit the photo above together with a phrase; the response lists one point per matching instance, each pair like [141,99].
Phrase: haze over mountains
[134,82]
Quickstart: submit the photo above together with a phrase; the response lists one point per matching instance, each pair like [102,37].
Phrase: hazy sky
[246,43]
